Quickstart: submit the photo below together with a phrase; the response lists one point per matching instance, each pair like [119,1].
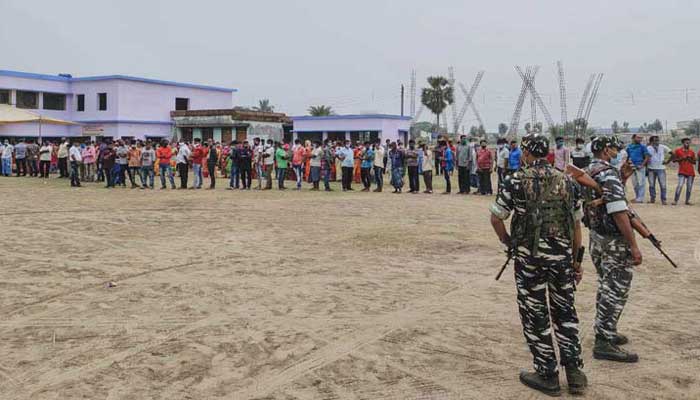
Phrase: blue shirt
[368,159]
[349,155]
[636,152]
[514,158]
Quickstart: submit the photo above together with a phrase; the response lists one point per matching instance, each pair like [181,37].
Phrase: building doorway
[241,133]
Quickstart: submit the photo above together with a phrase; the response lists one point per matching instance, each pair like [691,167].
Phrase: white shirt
[183,154]
[658,154]
[7,151]
[270,159]
[502,157]
[45,153]
[75,155]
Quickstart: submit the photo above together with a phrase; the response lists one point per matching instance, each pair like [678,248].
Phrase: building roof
[350,116]
[68,79]
[235,113]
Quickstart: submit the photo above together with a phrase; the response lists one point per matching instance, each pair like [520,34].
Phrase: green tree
[473,130]
[437,96]
[528,127]
[321,111]
[580,127]
[656,126]
[502,128]
[264,106]
[481,130]
[537,127]
[615,127]
[693,128]
[625,127]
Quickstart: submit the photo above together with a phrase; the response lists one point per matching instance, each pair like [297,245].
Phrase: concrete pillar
[324,136]
[40,101]
[13,97]
[178,133]
[196,133]
[347,135]
[217,135]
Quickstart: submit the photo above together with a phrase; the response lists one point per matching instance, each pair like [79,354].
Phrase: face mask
[500,147]
[560,145]
[579,146]
[483,146]
[464,142]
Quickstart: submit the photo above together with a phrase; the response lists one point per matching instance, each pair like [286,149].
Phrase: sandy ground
[250,295]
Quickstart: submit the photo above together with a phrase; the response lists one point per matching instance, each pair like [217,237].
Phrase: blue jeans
[235,179]
[299,174]
[165,169]
[688,182]
[281,172]
[147,172]
[197,169]
[259,172]
[326,173]
[639,181]
[7,166]
[379,177]
[654,175]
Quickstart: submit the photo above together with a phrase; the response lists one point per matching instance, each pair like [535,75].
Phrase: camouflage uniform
[609,250]
[546,203]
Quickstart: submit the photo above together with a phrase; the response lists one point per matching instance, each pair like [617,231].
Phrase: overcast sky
[354,55]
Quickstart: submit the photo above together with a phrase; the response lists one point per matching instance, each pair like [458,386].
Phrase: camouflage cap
[601,142]
[536,144]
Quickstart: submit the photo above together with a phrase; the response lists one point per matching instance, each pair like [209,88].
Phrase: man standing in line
[545,263]
[562,155]
[514,157]
[281,157]
[366,166]
[580,156]
[346,156]
[148,159]
[63,159]
[32,156]
[75,159]
[269,163]
[258,159]
[88,154]
[327,161]
[21,158]
[246,157]
[484,160]
[656,169]
[685,157]
[447,165]
[7,152]
[235,157]
[464,160]
[212,160]
[198,154]
[122,163]
[164,154]
[44,159]
[411,160]
[315,165]
[182,160]
[380,160]
[613,249]
[502,154]
[135,164]
[108,162]
[298,155]
[638,154]
[427,168]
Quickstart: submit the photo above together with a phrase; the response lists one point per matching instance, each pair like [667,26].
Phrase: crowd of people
[470,161]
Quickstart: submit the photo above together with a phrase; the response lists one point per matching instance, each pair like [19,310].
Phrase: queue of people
[470,162]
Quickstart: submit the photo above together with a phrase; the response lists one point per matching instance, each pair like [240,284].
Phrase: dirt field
[250,295]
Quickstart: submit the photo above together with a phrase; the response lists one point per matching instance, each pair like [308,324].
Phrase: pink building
[113,106]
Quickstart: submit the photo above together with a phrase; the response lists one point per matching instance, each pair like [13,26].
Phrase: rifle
[511,254]
[637,224]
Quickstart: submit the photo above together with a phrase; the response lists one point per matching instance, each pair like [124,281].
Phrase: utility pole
[402,92]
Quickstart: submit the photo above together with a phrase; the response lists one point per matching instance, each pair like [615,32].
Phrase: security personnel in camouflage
[546,207]
[613,249]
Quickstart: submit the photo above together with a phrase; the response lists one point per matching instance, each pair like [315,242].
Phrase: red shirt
[164,154]
[687,165]
[484,160]
[198,154]
[551,157]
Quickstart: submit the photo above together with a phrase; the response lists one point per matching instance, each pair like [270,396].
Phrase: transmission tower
[453,106]
[592,99]
[412,94]
[562,92]
[533,107]
[515,120]
[536,95]
[584,97]
[469,100]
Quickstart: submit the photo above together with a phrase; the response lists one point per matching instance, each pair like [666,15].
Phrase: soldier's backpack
[549,208]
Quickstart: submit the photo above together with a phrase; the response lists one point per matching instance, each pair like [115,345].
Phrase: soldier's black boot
[548,385]
[605,350]
[577,380]
[620,340]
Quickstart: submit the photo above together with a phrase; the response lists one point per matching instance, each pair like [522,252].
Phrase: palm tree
[264,106]
[438,96]
[321,111]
